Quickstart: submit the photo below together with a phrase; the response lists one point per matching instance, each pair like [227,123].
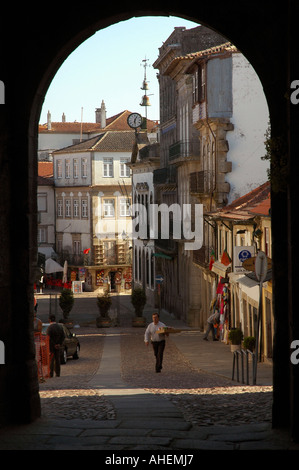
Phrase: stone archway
[264,35]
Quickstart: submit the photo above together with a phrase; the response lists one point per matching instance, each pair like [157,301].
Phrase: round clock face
[134,120]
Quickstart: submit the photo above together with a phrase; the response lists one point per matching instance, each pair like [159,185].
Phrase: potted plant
[249,343]
[235,336]
[66,302]
[104,303]
[138,300]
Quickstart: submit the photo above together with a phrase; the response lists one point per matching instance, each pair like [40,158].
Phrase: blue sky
[108,66]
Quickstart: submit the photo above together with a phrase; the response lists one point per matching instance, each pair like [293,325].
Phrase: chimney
[49,125]
[101,115]
[63,118]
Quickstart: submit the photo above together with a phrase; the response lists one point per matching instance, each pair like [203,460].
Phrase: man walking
[214,318]
[157,340]
[56,336]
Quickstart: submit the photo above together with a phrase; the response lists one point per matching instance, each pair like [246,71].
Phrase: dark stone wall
[34,43]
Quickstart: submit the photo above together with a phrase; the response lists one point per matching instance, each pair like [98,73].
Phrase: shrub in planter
[249,343]
[104,303]
[235,336]
[138,300]
[66,302]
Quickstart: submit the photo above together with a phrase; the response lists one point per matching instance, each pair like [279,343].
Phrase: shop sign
[243,256]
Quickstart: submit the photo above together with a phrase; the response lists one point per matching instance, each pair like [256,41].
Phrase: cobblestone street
[203,398]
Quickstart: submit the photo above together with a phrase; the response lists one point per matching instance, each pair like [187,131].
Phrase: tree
[66,302]
[138,300]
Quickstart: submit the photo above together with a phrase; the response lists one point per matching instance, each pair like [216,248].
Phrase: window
[124,170]
[84,208]
[68,208]
[76,247]
[76,168]
[67,168]
[41,235]
[267,242]
[195,87]
[199,84]
[59,208]
[42,203]
[84,167]
[109,209]
[76,208]
[59,245]
[124,207]
[59,168]
[108,167]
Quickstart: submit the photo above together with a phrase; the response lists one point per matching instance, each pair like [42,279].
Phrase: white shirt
[150,332]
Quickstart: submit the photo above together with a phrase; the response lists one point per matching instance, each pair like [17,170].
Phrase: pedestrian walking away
[214,318]
[157,340]
[56,338]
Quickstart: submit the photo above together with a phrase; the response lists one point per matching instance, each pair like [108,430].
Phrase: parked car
[70,345]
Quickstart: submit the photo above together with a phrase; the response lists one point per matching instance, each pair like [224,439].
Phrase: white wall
[80,181]
[246,141]
[55,141]
[97,168]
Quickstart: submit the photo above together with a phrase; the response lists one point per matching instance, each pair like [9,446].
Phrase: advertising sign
[241,254]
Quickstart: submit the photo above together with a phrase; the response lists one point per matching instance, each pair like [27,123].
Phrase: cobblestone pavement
[203,398]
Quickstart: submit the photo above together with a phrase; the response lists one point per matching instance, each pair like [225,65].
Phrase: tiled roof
[193,56]
[256,202]
[118,122]
[109,141]
[45,173]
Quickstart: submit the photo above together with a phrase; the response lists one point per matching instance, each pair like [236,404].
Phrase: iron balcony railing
[184,149]
[167,175]
[201,182]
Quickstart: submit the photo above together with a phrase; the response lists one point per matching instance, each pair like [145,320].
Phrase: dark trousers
[158,347]
[55,363]
[210,328]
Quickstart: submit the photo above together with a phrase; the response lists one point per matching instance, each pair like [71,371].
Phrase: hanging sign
[250,263]
[261,266]
[242,254]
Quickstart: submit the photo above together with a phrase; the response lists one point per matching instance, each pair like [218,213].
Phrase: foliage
[104,303]
[138,300]
[235,336]
[66,302]
[249,343]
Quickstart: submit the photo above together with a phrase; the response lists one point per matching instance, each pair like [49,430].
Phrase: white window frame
[124,207]
[84,208]
[67,168]
[76,208]
[124,170]
[59,168]
[84,167]
[68,211]
[59,208]
[109,207]
[108,167]
[76,168]
[42,235]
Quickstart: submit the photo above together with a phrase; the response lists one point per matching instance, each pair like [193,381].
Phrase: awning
[52,267]
[220,268]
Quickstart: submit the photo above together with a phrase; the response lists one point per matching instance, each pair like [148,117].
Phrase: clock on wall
[134,120]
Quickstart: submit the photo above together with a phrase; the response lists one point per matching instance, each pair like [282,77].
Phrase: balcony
[201,182]
[201,256]
[184,150]
[167,175]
